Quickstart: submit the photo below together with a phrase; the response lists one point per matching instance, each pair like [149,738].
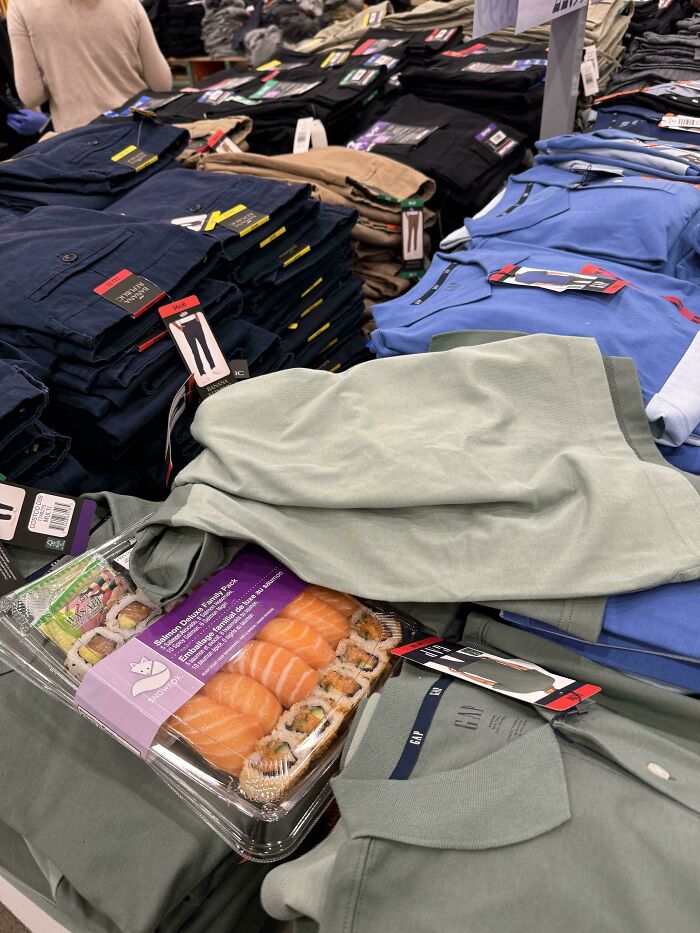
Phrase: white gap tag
[319,139]
[590,54]
[302,134]
[309,133]
[588,76]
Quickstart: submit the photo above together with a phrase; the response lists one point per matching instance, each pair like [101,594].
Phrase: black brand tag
[134,293]
[44,521]
[135,158]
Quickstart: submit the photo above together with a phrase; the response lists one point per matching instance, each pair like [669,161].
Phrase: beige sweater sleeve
[29,79]
[155,69]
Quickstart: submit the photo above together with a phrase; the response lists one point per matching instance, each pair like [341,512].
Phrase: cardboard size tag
[556,281]
[512,677]
[335,59]
[359,77]
[198,347]
[413,254]
[462,53]
[239,219]
[440,36]
[44,521]
[383,133]
[133,293]
[496,140]
[135,158]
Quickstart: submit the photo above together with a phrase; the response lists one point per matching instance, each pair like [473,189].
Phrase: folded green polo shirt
[510,819]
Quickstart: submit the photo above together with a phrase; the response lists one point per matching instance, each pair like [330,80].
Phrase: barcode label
[302,135]
[60,518]
[51,515]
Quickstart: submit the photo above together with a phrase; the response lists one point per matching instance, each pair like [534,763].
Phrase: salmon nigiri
[328,621]
[220,735]
[345,604]
[244,695]
[300,638]
[289,678]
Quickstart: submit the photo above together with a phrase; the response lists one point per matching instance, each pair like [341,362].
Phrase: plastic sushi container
[239,696]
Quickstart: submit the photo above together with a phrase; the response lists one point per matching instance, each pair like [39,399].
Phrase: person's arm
[29,80]
[154,67]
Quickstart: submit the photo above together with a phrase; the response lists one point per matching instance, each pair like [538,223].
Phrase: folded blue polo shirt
[560,209]
[642,154]
[642,121]
[622,653]
[652,318]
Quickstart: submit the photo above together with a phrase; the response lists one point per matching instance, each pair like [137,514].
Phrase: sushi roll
[268,773]
[90,649]
[360,656]
[314,723]
[368,629]
[342,685]
[131,615]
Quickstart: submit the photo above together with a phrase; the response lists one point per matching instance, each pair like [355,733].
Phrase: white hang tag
[588,76]
[319,139]
[302,134]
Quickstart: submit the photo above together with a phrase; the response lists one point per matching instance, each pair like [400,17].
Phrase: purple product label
[133,691]
[487,130]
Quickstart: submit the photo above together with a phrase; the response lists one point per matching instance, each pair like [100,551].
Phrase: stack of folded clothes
[503,82]
[657,57]
[276,98]
[88,167]
[30,452]
[659,110]
[113,371]
[468,155]
[655,16]
[296,248]
[371,184]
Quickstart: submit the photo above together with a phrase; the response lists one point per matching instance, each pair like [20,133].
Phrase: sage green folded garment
[495,472]
[513,820]
[582,618]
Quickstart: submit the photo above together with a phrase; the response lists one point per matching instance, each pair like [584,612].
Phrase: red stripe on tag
[149,343]
[177,306]
[502,273]
[215,138]
[110,283]
[414,646]
[573,699]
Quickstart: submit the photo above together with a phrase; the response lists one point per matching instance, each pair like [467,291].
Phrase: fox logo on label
[156,675]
